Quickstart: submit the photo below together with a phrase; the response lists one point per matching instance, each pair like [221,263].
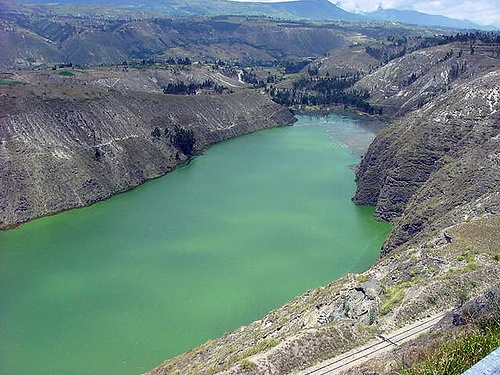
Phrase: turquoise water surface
[117,287]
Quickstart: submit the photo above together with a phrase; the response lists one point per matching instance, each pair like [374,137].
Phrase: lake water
[117,287]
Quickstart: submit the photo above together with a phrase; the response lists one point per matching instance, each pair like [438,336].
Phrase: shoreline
[69,172]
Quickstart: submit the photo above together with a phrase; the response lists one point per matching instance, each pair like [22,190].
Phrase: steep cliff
[424,170]
[65,146]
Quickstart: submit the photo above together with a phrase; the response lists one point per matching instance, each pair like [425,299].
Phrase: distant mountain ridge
[290,10]
[315,10]
[423,19]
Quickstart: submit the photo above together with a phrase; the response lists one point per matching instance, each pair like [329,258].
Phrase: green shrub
[247,365]
[183,139]
[5,81]
[432,300]
[156,132]
[463,296]
[372,315]
[392,296]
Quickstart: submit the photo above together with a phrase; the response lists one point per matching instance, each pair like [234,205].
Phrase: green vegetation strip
[453,357]
[392,296]
[66,73]
[5,81]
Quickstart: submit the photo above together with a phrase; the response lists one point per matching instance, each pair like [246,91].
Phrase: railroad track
[359,355]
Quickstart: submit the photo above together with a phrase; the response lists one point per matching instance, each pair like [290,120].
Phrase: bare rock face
[407,83]
[67,146]
[436,164]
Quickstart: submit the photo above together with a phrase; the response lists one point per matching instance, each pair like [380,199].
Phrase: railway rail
[370,350]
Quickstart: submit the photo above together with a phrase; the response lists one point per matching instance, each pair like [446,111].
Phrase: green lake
[117,287]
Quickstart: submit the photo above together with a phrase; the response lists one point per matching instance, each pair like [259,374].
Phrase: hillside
[412,170]
[40,36]
[70,145]
[409,82]
[30,42]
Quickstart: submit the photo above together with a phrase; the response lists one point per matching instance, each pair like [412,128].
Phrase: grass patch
[260,347]
[393,295]
[362,278]
[257,348]
[6,81]
[456,356]
[470,258]
[247,365]
[66,73]
[458,351]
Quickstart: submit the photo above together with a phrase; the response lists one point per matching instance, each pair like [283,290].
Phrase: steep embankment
[66,146]
[439,166]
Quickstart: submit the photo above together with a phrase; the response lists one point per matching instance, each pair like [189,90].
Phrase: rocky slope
[142,78]
[438,166]
[409,82]
[67,145]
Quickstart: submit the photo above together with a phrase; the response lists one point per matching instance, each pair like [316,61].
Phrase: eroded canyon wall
[439,166]
[67,146]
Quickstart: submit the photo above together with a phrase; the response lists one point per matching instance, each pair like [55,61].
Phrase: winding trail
[373,349]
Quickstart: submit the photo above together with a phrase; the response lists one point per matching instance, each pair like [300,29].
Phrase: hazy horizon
[482,12]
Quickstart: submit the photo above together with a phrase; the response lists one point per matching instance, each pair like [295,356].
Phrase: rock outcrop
[67,146]
[438,166]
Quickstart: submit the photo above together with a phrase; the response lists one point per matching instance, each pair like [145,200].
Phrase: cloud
[484,12]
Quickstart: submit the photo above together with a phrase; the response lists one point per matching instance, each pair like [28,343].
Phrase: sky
[483,12]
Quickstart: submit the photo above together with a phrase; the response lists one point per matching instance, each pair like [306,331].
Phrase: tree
[156,132]
[183,139]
